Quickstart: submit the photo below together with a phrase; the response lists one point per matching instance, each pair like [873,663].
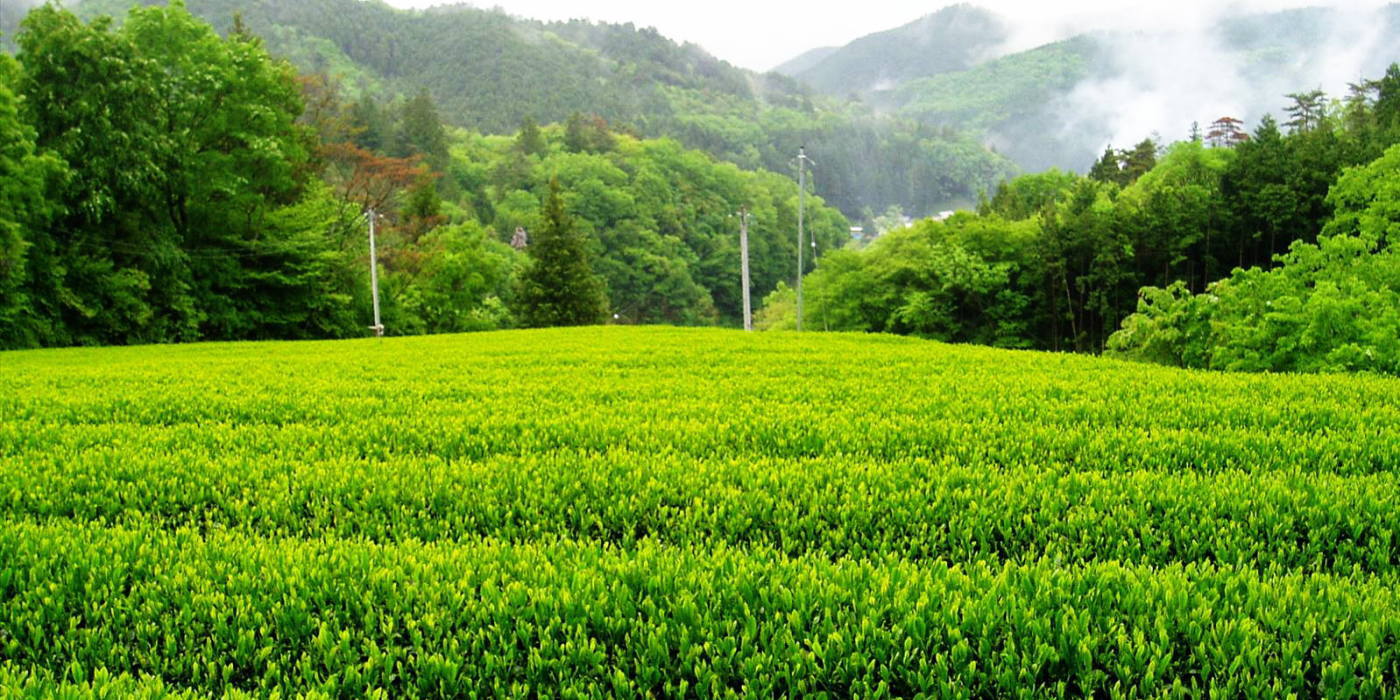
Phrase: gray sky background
[759,35]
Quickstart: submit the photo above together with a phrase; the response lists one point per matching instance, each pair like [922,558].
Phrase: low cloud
[1161,70]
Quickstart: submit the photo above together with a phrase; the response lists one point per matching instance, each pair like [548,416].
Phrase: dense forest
[1267,250]
[162,183]
[488,71]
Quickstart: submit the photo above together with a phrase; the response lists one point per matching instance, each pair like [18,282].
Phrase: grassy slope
[802,487]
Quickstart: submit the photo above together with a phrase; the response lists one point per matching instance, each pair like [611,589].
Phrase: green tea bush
[620,512]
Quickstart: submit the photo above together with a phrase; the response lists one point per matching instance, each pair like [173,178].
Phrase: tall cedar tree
[560,289]
[421,132]
[1107,168]
[530,141]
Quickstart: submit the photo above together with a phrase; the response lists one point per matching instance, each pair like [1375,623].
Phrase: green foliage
[370,124]
[658,219]
[421,133]
[983,95]
[1387,107]
[779,310]
[1124,167]
[464,282]
[234,155]
[185,163]
[944,280]
[630,77]
[422,208]
[1330,306]
[1070,273]
[305,279]
[1278,187]
[92,284]
[198,212]
[588,134]
[26,181]
[559,287]
[1181,217]
[568,511]
[1025,196]
[529,140]
[1170,327]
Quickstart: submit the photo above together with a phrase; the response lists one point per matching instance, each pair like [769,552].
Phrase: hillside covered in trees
[488,71]
[1263,250]
[1057,104]
[191,187]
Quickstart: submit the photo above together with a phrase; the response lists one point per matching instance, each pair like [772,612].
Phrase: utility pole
[378,327]
[744,257]
[801,211]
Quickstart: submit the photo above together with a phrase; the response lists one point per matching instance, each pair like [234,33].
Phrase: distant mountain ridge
[488,71]
[954,38]
[805,60]
[1054,105]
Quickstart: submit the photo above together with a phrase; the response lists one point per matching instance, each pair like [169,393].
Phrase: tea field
[639,512]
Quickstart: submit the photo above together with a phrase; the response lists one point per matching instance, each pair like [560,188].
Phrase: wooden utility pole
[378,327]
[801,211]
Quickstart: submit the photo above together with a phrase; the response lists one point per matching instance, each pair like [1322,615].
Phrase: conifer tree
[1226,132]
[421,132]
[560,289]
[1138,161]
[1106,169]
[530,141]
[1387,106]
[1307,111]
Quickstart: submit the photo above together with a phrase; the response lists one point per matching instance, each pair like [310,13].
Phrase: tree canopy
[167,184]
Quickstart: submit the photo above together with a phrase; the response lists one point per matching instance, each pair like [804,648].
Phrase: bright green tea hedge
[667,512]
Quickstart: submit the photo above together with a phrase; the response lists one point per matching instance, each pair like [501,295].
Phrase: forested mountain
[188,186]
[808,59]
[953,39]
[489,71]
[1267,250]
[1014,102]
[1057,105]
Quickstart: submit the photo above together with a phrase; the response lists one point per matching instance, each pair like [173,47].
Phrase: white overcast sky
[759,35]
